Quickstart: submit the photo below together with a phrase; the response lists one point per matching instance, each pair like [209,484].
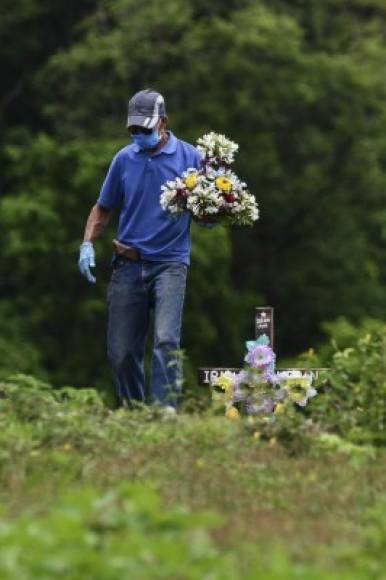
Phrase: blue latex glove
[87,260]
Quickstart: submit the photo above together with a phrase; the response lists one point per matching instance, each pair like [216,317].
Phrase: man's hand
[209,225]
[96,223]
[206,222]
[87,260]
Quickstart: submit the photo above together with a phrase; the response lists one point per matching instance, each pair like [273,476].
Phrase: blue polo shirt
[133,182]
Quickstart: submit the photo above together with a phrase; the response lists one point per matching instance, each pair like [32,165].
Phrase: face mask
[147,141]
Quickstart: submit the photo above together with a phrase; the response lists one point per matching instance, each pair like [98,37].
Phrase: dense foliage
[354,399]
[299,85]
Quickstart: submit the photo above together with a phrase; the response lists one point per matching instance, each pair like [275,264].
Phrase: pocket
[114,273]
[118,263]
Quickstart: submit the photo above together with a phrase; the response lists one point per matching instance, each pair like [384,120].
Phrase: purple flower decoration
[280,395]
[240,377]
[238,394]
[258,386]
[270,376]
[259,355]
[268,405]
[252,408]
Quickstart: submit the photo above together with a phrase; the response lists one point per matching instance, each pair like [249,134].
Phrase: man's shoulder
[125,152]
[188,148]
[190,154]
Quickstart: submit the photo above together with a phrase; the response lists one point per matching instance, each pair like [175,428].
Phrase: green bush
[354,402]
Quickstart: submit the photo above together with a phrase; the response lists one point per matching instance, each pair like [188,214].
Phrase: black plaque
[264,323]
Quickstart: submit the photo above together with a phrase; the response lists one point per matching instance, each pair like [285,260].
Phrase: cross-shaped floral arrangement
[257,389]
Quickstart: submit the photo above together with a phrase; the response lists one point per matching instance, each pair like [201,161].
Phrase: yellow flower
[303,382]
[296,397]
[232,413]
[279,409]
[225,383]
[224,184]
[191,180]
[257,435]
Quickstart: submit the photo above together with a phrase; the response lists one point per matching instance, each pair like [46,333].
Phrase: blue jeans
[135,288]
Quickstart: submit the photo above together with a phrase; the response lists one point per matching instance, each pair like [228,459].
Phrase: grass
[310,507]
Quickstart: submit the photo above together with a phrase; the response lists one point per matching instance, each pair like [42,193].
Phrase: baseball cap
[145,108]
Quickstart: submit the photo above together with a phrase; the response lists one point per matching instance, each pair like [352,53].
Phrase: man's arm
[109,197]
[96,222]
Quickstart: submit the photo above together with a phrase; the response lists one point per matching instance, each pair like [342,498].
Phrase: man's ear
[164,123]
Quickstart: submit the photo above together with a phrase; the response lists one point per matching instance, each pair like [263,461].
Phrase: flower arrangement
[257,389]
[214,193]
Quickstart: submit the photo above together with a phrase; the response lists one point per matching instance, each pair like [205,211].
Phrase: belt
[127,252]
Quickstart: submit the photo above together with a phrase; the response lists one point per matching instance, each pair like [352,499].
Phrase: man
[152,253]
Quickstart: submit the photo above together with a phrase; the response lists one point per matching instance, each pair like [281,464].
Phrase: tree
[299,85]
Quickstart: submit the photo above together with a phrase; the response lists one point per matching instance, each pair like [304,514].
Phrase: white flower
[217,148]
[213,190]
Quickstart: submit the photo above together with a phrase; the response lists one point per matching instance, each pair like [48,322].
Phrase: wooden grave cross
[264,325]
